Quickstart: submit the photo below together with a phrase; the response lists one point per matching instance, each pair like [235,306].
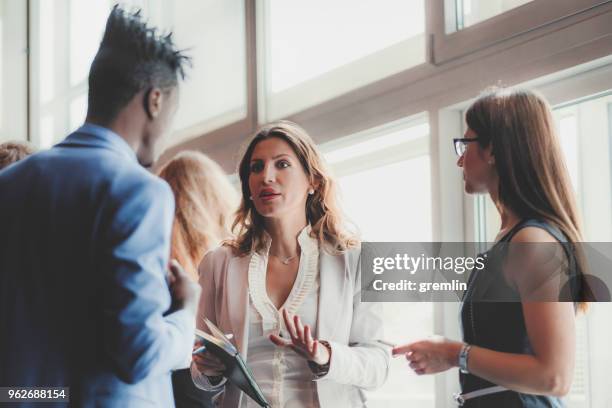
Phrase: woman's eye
[283,164]
[256,167]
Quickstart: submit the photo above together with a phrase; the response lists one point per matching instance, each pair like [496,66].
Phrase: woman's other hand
[430,356]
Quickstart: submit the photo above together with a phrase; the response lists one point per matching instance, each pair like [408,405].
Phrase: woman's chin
[270,211]
[471,189]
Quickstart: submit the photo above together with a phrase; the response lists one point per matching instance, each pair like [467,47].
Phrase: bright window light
[377,143]
[310,38]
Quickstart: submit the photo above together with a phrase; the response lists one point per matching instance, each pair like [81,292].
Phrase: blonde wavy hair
[205,203]
[322,210]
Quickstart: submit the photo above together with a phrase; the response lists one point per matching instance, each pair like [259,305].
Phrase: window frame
[529,20]
[282,104]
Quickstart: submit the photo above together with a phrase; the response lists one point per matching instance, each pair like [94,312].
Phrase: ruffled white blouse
[284,377]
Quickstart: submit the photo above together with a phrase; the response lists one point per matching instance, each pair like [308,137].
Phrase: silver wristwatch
[463,358]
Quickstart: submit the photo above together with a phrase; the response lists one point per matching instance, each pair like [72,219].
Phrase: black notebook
[236,370]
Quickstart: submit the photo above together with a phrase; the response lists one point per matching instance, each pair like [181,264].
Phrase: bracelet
[463,358]
[321,370]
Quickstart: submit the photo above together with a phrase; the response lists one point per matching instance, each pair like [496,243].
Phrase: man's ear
[153,102]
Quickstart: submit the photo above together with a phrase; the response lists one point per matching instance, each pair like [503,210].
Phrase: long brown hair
[533,179]
[322,211]
[205,202]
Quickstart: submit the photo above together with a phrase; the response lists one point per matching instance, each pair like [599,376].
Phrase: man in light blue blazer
[85,298]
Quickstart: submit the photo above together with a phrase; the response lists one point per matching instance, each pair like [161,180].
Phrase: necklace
[284,260]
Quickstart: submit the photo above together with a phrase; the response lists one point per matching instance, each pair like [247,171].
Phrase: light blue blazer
[84,301]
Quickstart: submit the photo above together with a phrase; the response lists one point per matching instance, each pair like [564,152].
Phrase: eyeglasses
[461,144]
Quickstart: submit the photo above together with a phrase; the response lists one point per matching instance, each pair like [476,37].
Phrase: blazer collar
[237,301]
[90,135]
[334,275]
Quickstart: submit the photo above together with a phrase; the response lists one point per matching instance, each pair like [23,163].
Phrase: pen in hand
[199,350]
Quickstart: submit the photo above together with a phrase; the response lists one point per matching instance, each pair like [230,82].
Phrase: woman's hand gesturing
[301,341]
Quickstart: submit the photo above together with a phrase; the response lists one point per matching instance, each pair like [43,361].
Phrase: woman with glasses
[518,339]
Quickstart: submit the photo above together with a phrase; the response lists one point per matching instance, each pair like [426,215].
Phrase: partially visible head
[283,175]
[11,152]
[205,205]
[136,69]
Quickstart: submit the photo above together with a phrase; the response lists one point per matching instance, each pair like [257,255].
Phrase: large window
[314,50]
[213,95]
[385,186]
[213,33]
[466,26]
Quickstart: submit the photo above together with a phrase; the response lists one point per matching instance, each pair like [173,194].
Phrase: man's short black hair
[132,57]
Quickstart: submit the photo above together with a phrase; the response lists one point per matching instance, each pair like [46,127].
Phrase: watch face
[463,354]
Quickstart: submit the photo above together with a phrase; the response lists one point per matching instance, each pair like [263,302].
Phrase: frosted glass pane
[213,32]
[378,143]
[310,38]
[474,11]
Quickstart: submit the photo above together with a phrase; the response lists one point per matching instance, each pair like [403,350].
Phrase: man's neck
[120,127]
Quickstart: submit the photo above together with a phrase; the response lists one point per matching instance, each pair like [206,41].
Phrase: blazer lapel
[333,275]
[237,301]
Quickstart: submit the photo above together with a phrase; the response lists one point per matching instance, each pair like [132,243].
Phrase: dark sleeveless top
[500,325]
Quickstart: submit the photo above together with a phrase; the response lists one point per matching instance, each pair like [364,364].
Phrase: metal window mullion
[263,55]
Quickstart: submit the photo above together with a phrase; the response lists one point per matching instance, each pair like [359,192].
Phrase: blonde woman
[205,203]
[288,286]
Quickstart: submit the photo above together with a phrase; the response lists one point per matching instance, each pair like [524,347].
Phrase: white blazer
[358,361]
